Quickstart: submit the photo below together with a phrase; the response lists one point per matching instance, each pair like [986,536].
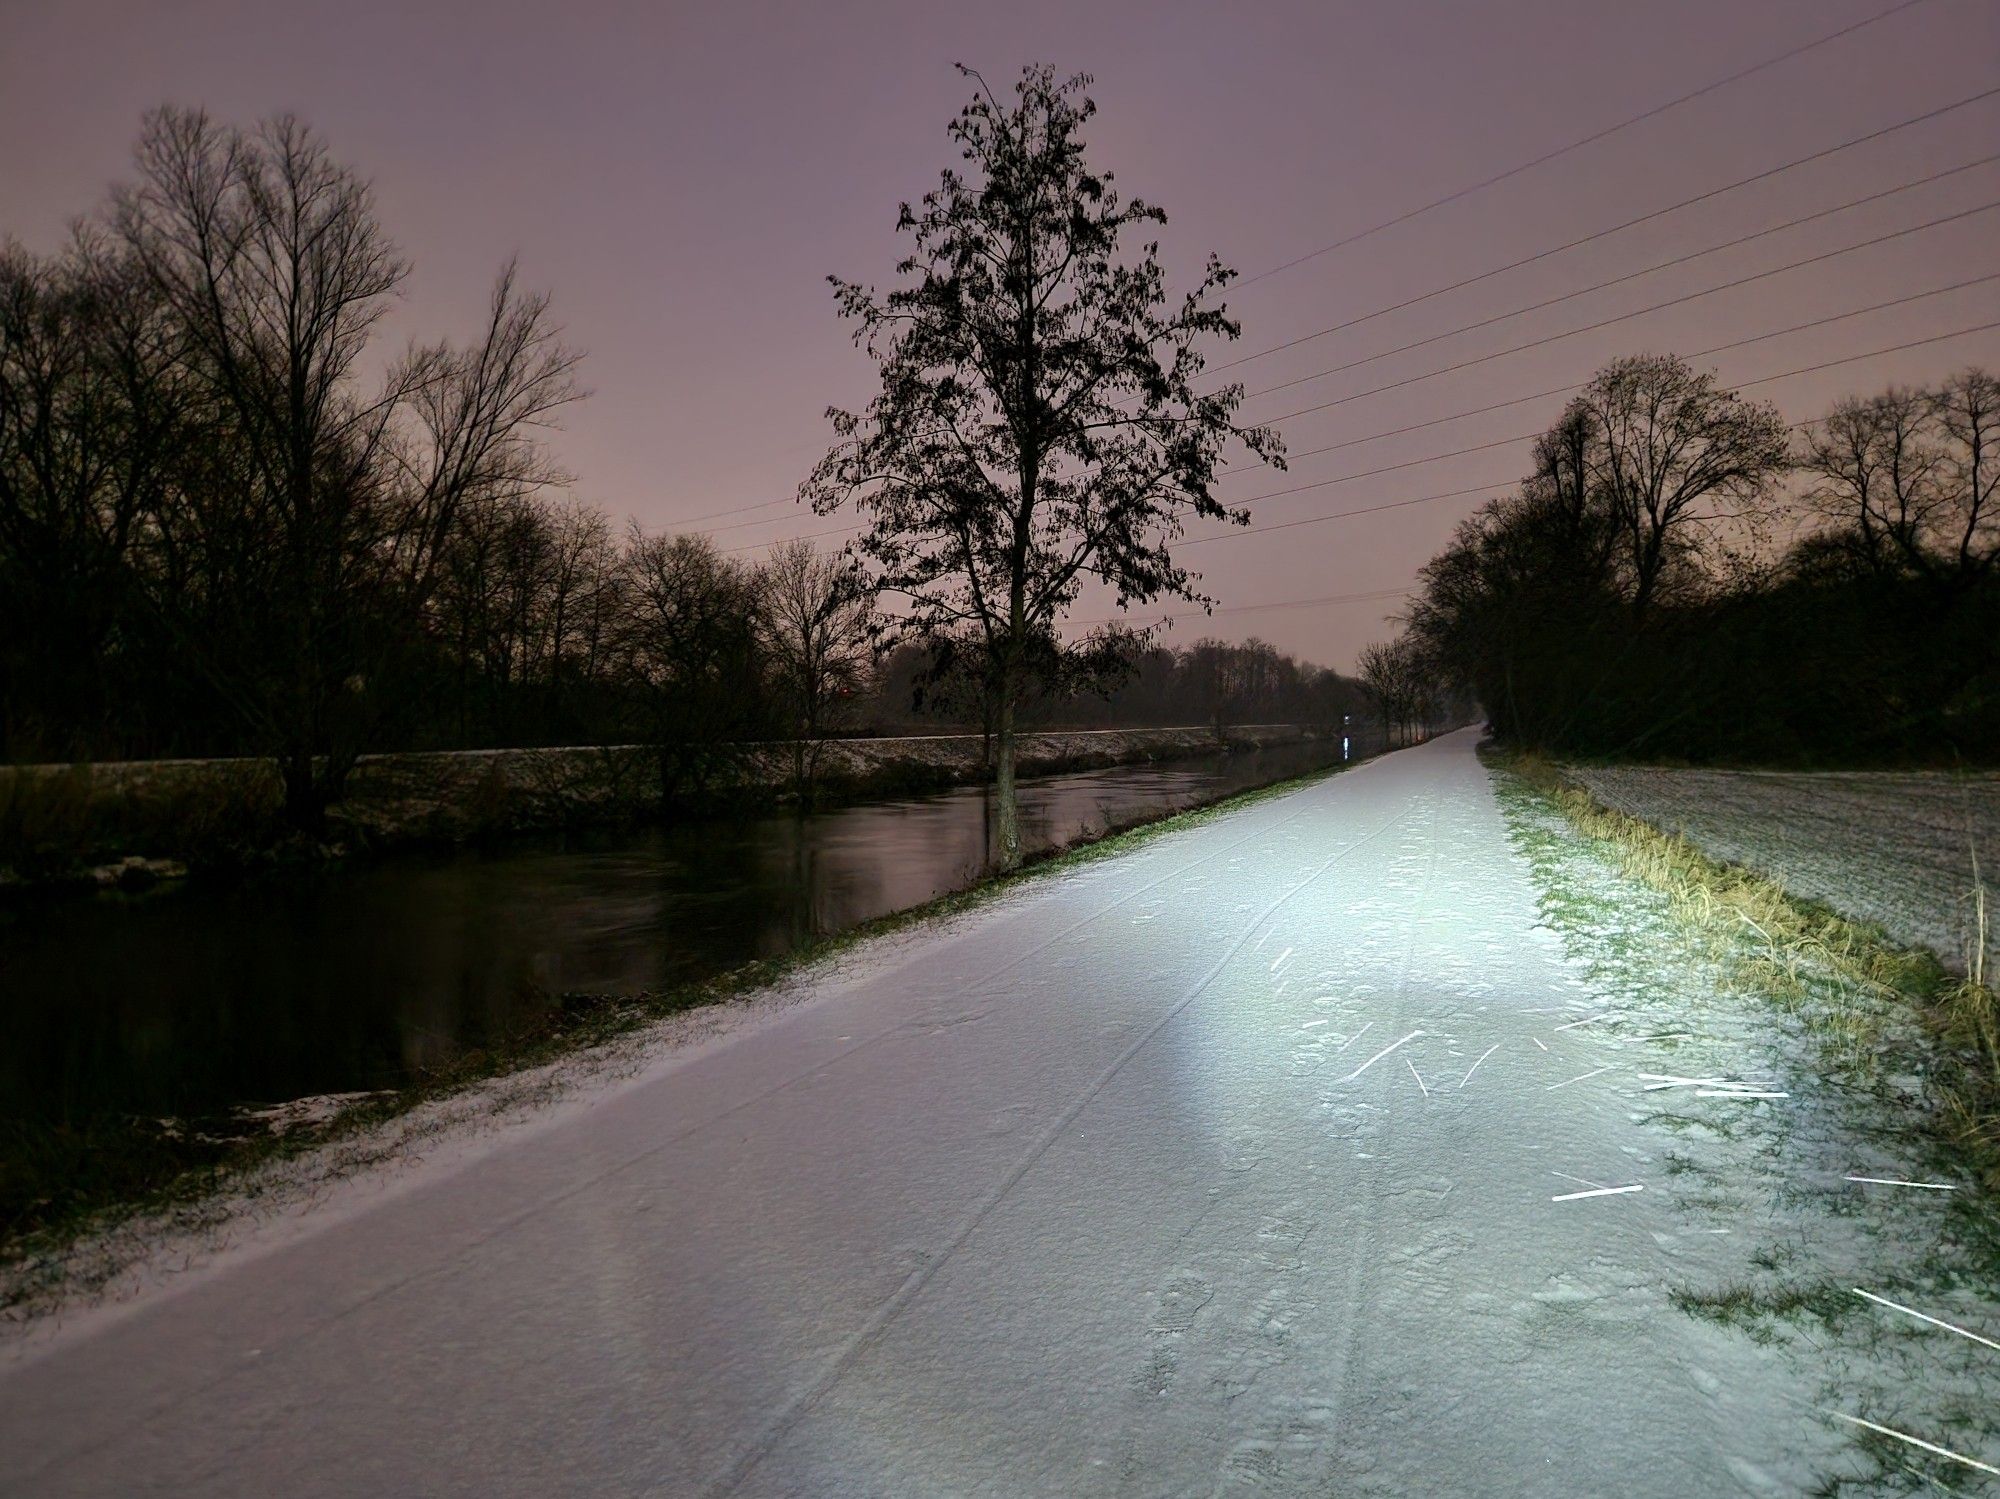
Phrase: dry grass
[1799,946]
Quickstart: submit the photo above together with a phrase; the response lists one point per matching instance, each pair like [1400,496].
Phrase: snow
[1774,1170]
[1892,848]
[1048,1202]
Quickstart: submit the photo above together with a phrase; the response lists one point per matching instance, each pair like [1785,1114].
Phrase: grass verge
[61,1187]
[1798,942]
[1873,1070]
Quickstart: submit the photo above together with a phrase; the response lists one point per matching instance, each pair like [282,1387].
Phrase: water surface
[188,1002]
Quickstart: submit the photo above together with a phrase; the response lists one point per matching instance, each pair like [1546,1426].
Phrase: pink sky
[683,178]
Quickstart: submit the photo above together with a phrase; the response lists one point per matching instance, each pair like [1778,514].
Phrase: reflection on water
[188,1002]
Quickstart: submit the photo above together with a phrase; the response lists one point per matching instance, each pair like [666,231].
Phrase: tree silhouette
[1037,425]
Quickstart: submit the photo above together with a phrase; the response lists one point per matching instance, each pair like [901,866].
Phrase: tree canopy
[1037,425]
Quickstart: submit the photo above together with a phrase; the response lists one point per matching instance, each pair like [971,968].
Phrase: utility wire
[1692,255]
[1622,317]
[1555,250]
[1314,520]
[1560,390]
[1515,265]
[1331,598]
[1540,395]
[1936,291]
[1597,135]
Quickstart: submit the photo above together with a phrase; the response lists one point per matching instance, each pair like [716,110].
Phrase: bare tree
[583,584]
[1037,424]
[814,618]
[1874,470]
[1907,477]
[1676,452]
[91,418]
[1968,413]
[687,647]
[1400,679]
[319,518]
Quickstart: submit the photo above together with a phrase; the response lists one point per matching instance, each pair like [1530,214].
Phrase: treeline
[1137,684]
[1683,576]
[232,523]
[226,513]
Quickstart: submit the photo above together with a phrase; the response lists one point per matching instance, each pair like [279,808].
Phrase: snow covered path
[1223,1166]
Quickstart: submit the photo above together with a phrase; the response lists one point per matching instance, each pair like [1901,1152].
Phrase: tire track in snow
[1263,1457]
[788,1415]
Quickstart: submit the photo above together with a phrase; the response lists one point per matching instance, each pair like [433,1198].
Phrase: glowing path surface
[1092,1194]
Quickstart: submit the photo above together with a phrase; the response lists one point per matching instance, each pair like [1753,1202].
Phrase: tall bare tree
[1907,477]
[92,416]
[688,652]
[1405,684]
[321,513]
[1677,453]
[1037,425]
[1968,413]
[814,618]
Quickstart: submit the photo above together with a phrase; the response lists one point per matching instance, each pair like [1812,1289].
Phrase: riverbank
[80,1207]
[134,824]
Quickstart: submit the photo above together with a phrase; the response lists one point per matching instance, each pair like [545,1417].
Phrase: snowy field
[1892,848]
[1315,1149]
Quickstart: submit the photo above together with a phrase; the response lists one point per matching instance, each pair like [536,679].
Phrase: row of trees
[233,522]
[1208,682]
[1681,576]
[1409,690]
[213,481]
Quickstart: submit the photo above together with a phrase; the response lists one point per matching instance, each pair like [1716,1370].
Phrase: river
[187,1002]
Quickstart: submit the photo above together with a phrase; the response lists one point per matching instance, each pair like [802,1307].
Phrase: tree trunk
[1009,852]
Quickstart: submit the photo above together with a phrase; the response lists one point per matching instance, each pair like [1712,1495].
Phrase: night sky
[683,178]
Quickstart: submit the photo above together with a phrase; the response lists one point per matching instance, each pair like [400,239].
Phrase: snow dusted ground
[1246,1163]
[1834,1274]
[1891,848]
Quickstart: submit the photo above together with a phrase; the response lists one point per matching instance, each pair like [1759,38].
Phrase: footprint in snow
[1179,1302]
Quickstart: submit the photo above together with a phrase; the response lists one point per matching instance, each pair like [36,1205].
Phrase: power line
[1622,317]
[1915,343]
[739,525]
[1331,598]
[1560,390]
[1820,322]
[1407,302]
[758,546]
[1596,135]
[1554,250]
[1543,395]
[1483,488]
[1514,265]
[1314,520]
[738,510]
[1692,255]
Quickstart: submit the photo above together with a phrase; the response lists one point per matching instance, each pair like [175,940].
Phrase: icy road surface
[1225,1166]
